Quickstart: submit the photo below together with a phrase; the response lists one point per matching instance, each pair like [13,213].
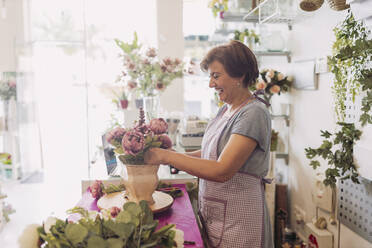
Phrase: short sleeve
[255,123]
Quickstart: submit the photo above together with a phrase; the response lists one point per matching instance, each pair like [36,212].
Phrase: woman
[234,157]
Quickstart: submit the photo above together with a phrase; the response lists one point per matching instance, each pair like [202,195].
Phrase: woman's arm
[196,154]
[236,152]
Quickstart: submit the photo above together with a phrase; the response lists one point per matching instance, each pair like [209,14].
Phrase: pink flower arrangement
[272,82]
[131,144]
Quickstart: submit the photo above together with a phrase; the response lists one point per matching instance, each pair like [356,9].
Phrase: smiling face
[226,86]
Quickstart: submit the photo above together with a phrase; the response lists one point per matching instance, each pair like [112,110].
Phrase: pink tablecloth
[180,213]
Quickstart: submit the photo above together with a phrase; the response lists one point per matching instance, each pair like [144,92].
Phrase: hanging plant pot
[311,5]
[338,5]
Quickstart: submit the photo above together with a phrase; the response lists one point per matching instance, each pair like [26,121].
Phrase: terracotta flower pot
[140,182]
[124,104]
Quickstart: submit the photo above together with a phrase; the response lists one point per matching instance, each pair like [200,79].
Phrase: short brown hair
[237,59]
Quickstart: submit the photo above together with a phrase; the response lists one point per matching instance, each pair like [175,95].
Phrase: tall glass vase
[6,114]
[151,106]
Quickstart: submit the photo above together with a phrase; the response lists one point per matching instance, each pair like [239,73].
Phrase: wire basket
[338,5]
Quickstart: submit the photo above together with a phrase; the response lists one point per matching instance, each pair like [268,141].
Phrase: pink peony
[114,211]
[261,85]
[166,142]
[275,89]
[142,129]
[133,142]
[115,136]
[158,126]
[96,189]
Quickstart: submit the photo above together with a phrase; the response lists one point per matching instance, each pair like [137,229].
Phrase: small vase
[151,107]
[140,182]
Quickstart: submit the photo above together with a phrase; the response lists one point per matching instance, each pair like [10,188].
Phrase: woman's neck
[239,100]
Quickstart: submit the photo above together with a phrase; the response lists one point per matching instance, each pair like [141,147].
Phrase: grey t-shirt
[253,121]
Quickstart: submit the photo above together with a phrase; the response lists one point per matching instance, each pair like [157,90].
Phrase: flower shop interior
[73,72]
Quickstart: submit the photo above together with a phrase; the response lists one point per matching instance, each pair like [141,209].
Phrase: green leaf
[123,230]
[124,217]
[97,242]
[132,208]
[148,216]
[115,243]
[76,233]
[315,164]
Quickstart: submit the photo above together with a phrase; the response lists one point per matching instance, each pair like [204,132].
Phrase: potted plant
[130,145]
[249,37]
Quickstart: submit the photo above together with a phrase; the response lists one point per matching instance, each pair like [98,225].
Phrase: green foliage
[340,160]
[112,188]
[250,34]
[351,55]
[133,227]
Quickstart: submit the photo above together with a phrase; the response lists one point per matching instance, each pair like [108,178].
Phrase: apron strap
[261,92]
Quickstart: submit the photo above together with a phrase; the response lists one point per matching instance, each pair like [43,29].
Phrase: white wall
[10,28]
[311,112]
[171,44]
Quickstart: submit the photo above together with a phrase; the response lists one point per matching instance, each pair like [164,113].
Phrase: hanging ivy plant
[351,57]
[340,160]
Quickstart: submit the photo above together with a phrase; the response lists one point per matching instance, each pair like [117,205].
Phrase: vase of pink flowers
[140,179]
[272,82]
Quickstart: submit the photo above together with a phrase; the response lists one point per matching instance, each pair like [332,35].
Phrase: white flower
[179,237]
[30,237]
[50,221]
[270,73]
[268,79]
[280,76]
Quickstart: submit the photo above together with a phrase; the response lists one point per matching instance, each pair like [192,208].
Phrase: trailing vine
[341,160]
[351,57]
[351,65]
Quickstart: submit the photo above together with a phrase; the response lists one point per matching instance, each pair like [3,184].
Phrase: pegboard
[354,208]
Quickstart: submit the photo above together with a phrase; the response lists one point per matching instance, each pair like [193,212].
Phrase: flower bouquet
[130,145]
[144,72]
[272,82]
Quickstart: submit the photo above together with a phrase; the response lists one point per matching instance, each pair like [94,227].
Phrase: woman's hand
[154,156]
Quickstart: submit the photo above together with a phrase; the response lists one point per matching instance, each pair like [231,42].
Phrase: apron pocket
[213,213]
